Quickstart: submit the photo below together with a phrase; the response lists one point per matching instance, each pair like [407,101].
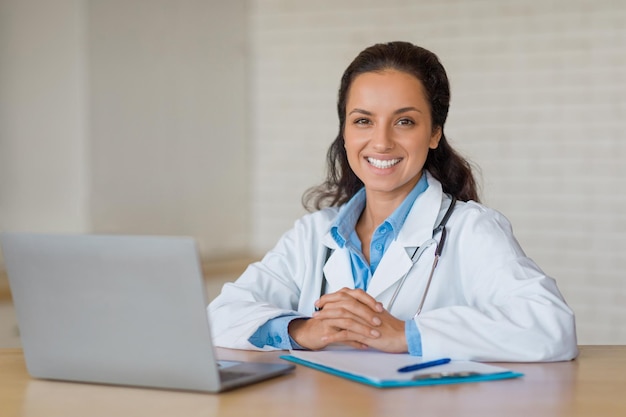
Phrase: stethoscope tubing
[438,251]
[418,254]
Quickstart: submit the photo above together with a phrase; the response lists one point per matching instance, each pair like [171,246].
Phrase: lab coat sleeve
[267,289]
[512,310]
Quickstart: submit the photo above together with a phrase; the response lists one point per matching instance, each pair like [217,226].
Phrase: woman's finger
[349,307]
[346,293]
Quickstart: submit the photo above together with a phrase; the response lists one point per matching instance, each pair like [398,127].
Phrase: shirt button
[378,247]
[278,340]
[383,230]
[269,340]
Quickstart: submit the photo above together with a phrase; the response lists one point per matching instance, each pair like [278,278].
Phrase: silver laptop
[123,310]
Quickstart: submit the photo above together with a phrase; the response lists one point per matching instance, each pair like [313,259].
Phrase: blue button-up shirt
[344,233]
[275,331]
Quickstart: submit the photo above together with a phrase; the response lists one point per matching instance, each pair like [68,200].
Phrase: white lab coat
[487,300]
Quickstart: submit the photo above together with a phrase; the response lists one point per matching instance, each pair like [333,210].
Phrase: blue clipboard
[431,378]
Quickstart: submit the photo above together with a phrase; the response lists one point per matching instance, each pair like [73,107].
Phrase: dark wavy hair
[444,163]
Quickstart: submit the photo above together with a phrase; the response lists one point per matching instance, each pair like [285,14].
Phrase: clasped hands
[350,317]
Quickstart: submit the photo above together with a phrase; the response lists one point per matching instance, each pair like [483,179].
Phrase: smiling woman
[388,134]
[395,190]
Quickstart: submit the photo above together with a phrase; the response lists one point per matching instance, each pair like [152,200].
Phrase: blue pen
[418,366]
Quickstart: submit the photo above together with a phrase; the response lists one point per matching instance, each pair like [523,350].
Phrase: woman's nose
[382,139]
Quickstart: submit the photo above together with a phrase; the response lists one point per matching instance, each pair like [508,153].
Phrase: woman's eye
[361,121]
[406,122]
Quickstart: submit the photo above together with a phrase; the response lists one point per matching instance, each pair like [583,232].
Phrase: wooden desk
[592,385]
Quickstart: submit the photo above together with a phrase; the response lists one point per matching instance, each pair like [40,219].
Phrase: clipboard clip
[445,375]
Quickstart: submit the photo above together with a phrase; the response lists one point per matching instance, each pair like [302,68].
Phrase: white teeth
[382,164]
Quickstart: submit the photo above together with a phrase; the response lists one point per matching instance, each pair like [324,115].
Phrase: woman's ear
[435,137]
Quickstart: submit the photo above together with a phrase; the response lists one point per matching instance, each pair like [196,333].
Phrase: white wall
[168,120]
[125,117]
[538,102]
[43,172]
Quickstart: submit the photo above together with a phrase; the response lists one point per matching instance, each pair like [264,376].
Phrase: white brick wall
[538,102]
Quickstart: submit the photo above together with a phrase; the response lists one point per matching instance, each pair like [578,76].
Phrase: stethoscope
[417,254]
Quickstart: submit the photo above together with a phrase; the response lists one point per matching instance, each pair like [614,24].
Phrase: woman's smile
[383,163]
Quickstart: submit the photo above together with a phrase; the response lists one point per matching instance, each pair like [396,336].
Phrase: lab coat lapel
[337,269]
[394,264]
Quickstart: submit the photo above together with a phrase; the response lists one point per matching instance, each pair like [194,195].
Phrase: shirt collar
[350,212]
[348,215]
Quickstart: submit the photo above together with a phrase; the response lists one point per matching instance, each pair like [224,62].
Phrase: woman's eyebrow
[368,113]
[406,109]
[399,111]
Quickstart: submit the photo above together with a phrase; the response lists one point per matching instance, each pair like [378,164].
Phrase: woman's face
[388,132]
